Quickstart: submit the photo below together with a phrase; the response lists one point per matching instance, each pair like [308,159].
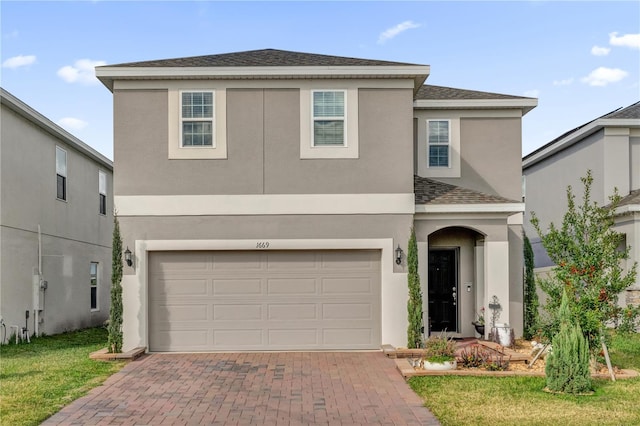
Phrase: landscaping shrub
[414,304]
[114,340]
[473,357]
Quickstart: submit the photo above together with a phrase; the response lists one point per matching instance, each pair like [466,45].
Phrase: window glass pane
[328,104]
[438,132]
[197,104]
[328,132]
[197,133]
[61,162]
[94,298]
[61,187]
[439,156]
[93,280]
[103,204]
[102,183]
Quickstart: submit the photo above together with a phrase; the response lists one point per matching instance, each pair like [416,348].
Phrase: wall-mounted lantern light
[398,255]
[127,257]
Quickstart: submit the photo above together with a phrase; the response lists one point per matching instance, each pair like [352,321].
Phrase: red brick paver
[286,388]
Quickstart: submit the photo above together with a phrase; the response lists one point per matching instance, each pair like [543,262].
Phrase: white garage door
[264,300]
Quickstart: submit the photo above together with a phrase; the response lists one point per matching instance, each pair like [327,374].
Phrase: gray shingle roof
[429,191]
[261,58]
[429,92]
[632,111]
[632,198]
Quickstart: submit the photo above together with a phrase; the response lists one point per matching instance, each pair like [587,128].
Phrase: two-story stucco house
[56,221]
[609,146]
[268,197]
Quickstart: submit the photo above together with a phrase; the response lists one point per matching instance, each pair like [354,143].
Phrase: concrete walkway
[285,388]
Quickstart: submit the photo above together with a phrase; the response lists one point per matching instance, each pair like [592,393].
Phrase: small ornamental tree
[588,258]
[414,304]
[531,302]
[114,343]
[567,367]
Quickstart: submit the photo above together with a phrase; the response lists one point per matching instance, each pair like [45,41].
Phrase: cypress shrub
[567,366]
[530,295]
[114,340]
[414,304]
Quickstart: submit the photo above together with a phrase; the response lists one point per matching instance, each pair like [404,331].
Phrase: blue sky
[581,59]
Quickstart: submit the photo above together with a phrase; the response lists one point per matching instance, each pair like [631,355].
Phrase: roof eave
[524,104]
[575,137]
[33,116]
[107,75]
[510,208]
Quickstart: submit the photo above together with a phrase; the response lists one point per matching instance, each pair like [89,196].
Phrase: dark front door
[443,290]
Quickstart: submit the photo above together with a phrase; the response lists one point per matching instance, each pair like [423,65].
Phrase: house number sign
[262,245]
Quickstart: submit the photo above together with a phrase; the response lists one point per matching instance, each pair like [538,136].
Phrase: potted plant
[439,353]
[479,323]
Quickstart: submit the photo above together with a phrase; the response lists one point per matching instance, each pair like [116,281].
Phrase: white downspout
[37,279]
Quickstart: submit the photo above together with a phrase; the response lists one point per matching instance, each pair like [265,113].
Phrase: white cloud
[82,71]
[394,31]
[565,82]
[71,123]
[19,61]
[603,76]
[627,40]
[532,93]
[600,51]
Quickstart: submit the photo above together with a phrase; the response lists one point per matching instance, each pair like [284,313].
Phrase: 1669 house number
[262,245]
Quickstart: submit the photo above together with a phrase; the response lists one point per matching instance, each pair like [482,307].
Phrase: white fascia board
[470,208]
[526,104]
[33,116]
[108,74]
[263,204]
[577,136]
[631,208]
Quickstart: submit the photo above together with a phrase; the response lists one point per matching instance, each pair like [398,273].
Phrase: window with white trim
[196,119]
[61,174]
[438,143]
[102,192]
[93,281]
[328,110]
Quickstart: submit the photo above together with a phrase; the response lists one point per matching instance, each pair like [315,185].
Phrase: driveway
[284,388]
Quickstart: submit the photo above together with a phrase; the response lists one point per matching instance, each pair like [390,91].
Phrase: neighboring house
[268,198]
[609,146]
[56,220]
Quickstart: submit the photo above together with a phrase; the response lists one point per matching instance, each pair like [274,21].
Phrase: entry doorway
[443,289]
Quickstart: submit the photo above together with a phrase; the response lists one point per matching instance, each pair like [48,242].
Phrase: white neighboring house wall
[50,237]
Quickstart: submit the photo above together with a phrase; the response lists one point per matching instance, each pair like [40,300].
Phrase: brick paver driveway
[293,388]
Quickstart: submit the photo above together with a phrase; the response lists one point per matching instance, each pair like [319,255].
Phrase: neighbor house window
[438,143]
[329,118]
[102,192]
[61,173]
[196,119]
[93,279]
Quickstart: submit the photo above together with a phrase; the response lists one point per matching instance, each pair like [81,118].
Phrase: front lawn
[457,400]
[41,377]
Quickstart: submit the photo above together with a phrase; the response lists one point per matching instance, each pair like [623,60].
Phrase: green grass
[39,378]
[457,400]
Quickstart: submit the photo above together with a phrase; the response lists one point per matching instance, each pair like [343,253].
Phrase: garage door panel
[291,286]
[226,261]
[306,337]
[237,287]
[298,312]
[265,301]
[345,286]
[178,287]
[237,312]
[232,338]
[351,311]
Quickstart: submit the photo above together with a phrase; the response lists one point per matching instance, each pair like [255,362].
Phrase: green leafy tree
[114,343]
[414,304]
[567,367]
[531,303]
[588,267]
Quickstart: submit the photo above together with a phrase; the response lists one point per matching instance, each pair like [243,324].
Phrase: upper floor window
[102,192]
[93,282]
[438,142]
[196,119]
[329,118]
[61,173]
